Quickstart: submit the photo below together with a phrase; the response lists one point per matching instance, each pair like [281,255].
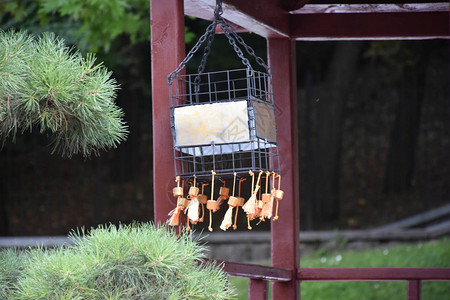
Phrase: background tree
[331,105]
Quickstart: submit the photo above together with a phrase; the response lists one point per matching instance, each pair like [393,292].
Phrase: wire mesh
[257,151]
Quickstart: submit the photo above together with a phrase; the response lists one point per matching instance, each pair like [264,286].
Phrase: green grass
[430,254]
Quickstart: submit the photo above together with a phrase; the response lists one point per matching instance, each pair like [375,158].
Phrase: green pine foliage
[53,88]
[124,262]
[11,266]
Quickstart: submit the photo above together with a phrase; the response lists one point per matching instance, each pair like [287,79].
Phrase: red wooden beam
[285,250]
[400,2]
[168,50]
[264,18]
[372,8]
[328,26]
[414,290]
[252,271]
[290,5]
[366,274]
[257,289]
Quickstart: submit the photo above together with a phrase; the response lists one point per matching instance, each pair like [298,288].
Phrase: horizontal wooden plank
[417,25]
[418,234]
[368,274]
[365,235]
[418,219]
[255,237]
[372,1]
[371,8]
[253,271]
[33,241]
[261,17]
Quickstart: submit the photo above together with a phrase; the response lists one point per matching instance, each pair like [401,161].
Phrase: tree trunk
[402,150]
[330,110]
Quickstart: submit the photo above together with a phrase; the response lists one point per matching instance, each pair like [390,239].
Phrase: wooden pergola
[282,22]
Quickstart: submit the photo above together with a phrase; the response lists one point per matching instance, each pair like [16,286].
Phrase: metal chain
[211,28]
[249,50]
[218,11]
[206,52]
[232,42]
[232,37]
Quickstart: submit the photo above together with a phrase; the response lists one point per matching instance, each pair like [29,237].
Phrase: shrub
[137,261]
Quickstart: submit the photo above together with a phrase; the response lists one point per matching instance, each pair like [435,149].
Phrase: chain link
[236,48]
[250,50]
[202,39]
[202,65]
[232,37]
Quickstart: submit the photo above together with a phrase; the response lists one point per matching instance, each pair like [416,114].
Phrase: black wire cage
[223,121]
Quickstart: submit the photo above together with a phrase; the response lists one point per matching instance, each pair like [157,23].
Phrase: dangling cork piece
[278,196]
[224,194]
[232,202]
[267,199]
[181,204]
[240,202]
[177,191]
[250,206]
[202,199]
[193,207]
[211,204]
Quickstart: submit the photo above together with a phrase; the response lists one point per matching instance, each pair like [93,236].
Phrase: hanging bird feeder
[223,121]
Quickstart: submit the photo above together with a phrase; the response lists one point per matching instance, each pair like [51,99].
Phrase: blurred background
[373,119]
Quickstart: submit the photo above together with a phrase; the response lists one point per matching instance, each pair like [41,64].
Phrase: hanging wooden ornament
[232,203]
[193,207]
[182,203]
[177,191]
[202,199]
[267,199]
[240,202]
[278,196]
[211,204]
[250,206]
[259,205]
[224,193]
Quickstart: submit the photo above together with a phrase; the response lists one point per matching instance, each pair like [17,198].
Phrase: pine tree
[138,261]
[48,86]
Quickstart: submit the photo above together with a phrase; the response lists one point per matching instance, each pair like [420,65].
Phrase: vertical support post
[414,290]
[257,289]
[168,50]
[285,232]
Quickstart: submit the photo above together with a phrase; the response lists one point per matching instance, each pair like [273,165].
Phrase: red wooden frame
[281,28]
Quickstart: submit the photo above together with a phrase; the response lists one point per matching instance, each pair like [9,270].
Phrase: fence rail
[260,275]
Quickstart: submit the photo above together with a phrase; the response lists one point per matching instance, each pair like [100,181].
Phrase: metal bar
[257,289]
[285,250]
[167,32]
[383,274]
[414,290]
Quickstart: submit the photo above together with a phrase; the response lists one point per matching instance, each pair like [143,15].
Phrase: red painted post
[257,289]
[414,290]
[168,50]
[285,250]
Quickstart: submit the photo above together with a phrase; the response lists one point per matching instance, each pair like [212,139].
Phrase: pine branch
[47,85]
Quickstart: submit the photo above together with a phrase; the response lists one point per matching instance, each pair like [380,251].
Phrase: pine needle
[53,88]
